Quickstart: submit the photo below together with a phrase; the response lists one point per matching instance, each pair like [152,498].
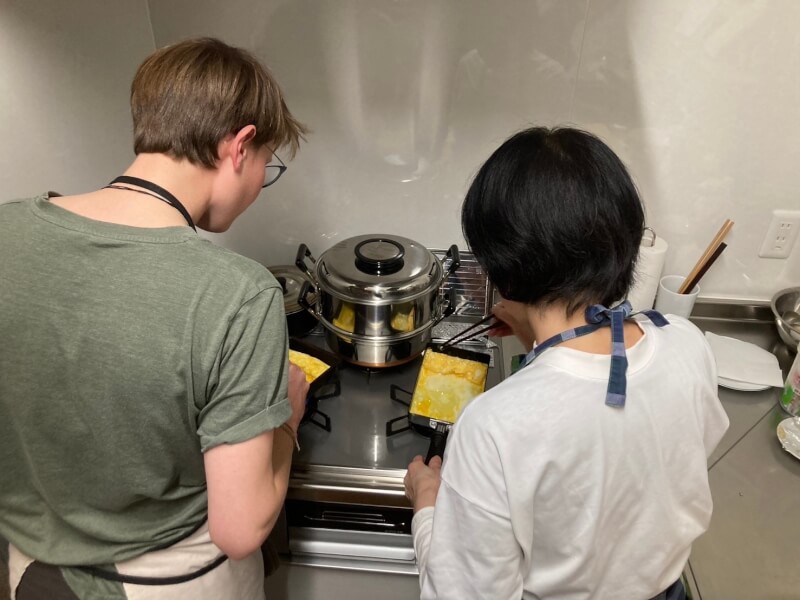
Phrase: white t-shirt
[548,493]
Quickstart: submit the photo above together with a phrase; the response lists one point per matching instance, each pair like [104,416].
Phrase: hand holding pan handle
[437,445]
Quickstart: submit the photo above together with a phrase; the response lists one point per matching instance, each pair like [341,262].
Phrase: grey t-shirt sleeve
[247,390]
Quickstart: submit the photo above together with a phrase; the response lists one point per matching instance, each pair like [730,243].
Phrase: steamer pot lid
[291,279]
[378,268]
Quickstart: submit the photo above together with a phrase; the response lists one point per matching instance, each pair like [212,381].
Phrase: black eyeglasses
[273,172]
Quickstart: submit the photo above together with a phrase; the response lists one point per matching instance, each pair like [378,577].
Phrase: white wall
[66,71]
[406,98]
[701,100]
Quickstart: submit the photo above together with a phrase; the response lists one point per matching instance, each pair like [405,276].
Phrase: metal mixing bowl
[785,306]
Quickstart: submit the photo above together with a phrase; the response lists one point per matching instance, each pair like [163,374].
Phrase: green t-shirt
[125,353]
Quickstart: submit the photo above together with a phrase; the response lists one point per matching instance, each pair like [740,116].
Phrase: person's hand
[513,320]
[422,481]
[298,391]
[501,328]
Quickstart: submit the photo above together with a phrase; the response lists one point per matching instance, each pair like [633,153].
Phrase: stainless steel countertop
[749,550]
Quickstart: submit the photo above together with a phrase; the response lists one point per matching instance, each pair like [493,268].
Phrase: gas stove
[346,507]
[355,461]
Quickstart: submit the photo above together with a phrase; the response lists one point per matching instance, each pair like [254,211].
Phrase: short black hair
[554,217]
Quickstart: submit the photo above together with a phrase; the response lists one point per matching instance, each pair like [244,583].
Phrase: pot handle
[448,307]
[455,261]
[300,261]
[302,299]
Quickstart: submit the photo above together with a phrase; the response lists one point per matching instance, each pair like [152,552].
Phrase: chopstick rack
[706,257]
[470,332]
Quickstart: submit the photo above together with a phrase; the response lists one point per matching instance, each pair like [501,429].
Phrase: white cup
[669,301]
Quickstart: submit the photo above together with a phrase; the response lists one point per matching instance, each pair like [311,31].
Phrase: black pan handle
[437,445]
[300,261]
[455,261]
[302,299]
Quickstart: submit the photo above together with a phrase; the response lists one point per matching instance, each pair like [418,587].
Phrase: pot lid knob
[379,256]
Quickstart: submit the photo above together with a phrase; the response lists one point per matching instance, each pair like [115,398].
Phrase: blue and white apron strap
[656,317]
[617,380]
[598,316]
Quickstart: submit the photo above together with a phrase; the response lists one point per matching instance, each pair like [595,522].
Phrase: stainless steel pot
[291,279]
[377,296]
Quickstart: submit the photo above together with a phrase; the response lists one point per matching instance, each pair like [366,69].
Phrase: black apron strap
[137,580]
[157,189]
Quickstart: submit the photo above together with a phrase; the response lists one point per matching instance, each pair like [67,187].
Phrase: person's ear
[238,147]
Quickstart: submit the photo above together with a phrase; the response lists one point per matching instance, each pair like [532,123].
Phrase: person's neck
[190,184]
[547,321]
[553,319]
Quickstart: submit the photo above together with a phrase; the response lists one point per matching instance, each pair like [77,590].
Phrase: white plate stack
[744,366]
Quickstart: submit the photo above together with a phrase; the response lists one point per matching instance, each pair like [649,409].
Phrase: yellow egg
[446,384]
[403,316]
[311,366]
[346,319]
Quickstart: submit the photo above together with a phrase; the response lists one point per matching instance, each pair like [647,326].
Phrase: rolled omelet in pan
[446,384]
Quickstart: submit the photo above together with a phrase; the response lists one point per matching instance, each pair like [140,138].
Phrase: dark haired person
[148,412]
[584,474]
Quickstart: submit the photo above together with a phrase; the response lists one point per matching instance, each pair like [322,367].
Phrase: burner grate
[313,413]
[394,391]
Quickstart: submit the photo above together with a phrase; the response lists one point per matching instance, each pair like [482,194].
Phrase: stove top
[353,461]
[357,439]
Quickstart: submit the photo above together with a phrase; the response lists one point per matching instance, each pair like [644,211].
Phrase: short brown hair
[185,98]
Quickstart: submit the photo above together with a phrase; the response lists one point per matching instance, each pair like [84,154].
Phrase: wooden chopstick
[706,266]
[712,247]
[470,332]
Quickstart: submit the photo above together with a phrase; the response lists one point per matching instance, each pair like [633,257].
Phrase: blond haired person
[147,408]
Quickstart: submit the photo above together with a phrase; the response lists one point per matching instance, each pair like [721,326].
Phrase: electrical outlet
[781,234]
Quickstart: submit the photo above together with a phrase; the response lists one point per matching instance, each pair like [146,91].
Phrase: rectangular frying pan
[440,395]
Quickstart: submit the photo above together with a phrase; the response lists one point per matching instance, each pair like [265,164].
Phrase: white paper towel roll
[648,273]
